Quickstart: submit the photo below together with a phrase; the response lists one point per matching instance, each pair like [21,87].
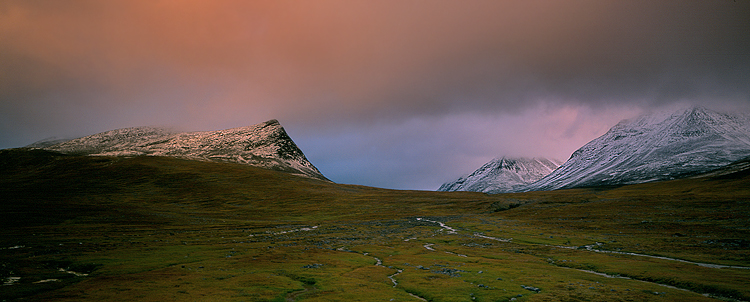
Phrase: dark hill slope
[82,228]
[42,187]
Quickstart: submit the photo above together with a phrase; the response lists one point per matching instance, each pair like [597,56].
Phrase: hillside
[152,228]
[265,145]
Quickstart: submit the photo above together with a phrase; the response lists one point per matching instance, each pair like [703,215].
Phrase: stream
[590,247]
[628,278]
[379,262]
[593,249]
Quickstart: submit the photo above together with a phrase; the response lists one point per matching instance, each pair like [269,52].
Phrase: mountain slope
[653,147]
[738,169]
[265,145]
[502,175]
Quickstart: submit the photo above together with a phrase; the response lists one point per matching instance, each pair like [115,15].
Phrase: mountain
[738,169]
[265,145]
[658,146]
[503,175]
[50,141]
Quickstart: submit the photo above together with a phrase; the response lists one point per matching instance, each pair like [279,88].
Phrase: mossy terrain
[79,228]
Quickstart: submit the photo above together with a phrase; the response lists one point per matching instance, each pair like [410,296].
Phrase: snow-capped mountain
[265,145]
[736,169]
[503,175]
[658,146]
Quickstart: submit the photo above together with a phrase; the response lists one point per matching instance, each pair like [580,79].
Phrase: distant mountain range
[503,175]
[659,146]
[652,147]
[265,145]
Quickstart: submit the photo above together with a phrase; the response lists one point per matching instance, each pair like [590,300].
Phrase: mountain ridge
[503,175]
[266,145]
[652,147]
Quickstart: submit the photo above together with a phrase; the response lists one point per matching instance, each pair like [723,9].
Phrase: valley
[454,151]
[147,228]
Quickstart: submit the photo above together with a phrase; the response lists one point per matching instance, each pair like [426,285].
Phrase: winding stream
[395,283]
[709,265]
[379,262]
[492,238]
[593,249]
[628,278]
[590,247]
[442,225]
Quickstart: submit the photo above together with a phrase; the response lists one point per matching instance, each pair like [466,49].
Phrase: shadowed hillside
[164,229]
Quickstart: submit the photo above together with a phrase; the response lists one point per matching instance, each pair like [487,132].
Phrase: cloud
[389,55]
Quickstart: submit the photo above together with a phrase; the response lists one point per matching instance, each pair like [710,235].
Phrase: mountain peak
[502,175]
[655,146]
[272,122]
[265,145]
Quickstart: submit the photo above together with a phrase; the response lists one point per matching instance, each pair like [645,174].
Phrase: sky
[403,94]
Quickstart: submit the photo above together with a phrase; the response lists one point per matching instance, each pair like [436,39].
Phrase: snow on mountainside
[502,175]
[265,145]
[47,142]
[653,147]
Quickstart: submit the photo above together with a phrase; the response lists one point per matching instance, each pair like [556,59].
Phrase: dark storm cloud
[609,52]
[71,68]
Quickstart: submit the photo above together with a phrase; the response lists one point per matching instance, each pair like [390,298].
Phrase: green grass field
[162,229]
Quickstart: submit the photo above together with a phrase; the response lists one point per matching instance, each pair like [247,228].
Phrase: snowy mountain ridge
[503,175]
[265,145]
[657,146]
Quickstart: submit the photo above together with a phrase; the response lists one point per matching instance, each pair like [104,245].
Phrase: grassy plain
[162,229]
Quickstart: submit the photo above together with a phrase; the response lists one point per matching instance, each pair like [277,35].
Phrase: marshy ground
[161,229]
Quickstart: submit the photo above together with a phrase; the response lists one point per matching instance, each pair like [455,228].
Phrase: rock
[449,271]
